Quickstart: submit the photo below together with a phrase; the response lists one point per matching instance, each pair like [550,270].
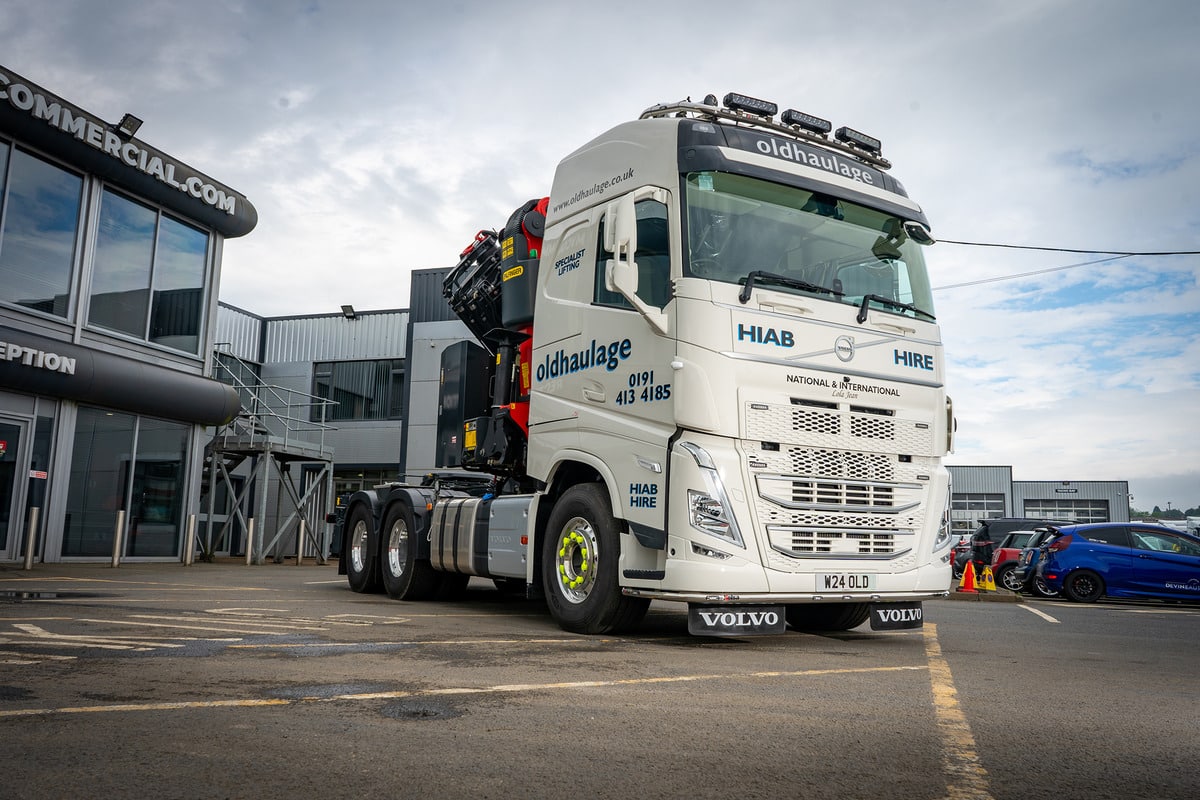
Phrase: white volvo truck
[707,371]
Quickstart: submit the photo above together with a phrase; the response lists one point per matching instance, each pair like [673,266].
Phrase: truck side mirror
[620,239]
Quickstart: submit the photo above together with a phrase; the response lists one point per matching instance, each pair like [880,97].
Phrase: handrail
[269,410]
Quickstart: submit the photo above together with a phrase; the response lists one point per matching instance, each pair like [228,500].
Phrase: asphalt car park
[230,681]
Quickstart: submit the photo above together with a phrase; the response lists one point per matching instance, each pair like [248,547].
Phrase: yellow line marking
[463,690]
[263,629]
[967,778]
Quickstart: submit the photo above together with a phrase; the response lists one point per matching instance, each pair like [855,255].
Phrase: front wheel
[580,551]
[1083,586]
[823,617]
[362,569]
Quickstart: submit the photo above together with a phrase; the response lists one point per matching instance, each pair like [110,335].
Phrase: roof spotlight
[860,140]
[750,105]
[806,121]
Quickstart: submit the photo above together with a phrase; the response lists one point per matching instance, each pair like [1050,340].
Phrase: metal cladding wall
[1114,493]
[984,480]
[239,333]
[370,335]
[426,302]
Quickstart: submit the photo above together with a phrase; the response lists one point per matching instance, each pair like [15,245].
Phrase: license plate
[736,620]
[846,581]
[897,616]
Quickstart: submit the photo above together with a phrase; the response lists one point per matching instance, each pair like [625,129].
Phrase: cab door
[1165,564]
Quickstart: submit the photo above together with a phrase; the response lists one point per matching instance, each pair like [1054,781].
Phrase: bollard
[300,542]
[118,535]
[31,536]
[189,541]
[249,541]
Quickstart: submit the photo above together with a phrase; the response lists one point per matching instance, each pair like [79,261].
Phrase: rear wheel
[827,616]
[1041,589]
[579,565]
[1006,578]
[1083,586]
[405,577]
[362,568]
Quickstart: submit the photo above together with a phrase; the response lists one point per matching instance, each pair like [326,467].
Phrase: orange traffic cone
[988,581]
[967,584]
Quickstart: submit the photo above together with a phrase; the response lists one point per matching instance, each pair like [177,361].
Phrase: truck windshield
[744,229]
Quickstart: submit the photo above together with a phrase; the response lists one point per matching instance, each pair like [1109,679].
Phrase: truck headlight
[945,534]
[709,511]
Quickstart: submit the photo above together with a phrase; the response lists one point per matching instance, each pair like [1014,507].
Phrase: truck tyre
[405,577]
[824,617]
[362,568]
[580,549]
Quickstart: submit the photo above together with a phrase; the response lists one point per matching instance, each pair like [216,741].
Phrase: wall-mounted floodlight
[348,312]
[129,125]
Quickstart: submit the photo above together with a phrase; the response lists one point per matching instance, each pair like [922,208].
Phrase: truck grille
[819,424]
[810,541]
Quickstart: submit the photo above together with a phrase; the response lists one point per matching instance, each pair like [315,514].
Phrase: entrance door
[13,474]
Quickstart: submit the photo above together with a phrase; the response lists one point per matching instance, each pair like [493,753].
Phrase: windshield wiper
[887,301]
[781,280]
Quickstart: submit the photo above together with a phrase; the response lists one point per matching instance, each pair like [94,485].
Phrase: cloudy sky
[375,138]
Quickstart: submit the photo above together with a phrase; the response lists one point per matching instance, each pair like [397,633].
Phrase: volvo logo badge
[843,348]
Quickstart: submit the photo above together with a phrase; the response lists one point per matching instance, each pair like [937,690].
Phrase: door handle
[595,395]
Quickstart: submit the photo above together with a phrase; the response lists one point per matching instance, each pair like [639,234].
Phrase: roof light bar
[750,105]
[806,121]
[851,136]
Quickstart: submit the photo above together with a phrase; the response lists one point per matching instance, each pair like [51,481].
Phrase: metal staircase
[275,428]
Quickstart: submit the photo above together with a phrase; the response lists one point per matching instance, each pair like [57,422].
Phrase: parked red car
[1006,557]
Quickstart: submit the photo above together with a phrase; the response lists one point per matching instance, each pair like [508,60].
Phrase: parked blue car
[1087,562]
[1025,572]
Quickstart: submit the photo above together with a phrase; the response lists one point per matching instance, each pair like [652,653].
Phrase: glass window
[967,509]
[1068,510]
[108,475]
[121,265]
[178,286]
[99,466]
[1163,542]
[148,275]
[156,499]
[37,243]
[1113,534]
[803,241]
[653,257]
[363,390]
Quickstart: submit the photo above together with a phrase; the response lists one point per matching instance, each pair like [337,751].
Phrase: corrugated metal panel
[1114,493]
[370,335]
[238,332]
[426,300]
[982,480]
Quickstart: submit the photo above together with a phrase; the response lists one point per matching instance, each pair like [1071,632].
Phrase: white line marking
[1041,614]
